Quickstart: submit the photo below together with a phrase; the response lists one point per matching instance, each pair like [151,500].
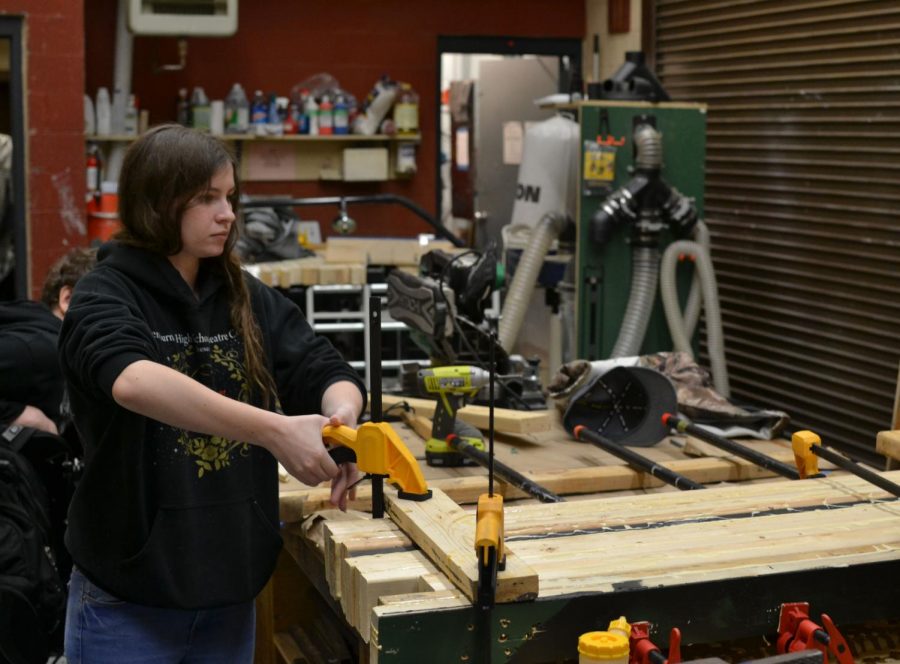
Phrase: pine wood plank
[888,444]
[446,533]
[298,503]
[345,539]
[510,421]
[594,514]
[367,578]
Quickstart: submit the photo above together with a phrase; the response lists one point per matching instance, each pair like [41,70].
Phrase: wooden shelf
[319,159]
[339,138]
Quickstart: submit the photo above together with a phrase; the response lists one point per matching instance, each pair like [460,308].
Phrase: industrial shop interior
[498,332]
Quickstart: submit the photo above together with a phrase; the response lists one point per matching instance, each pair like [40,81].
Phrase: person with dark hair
[189,381]
[31,381]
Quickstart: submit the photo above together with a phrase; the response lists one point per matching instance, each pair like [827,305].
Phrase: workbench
[716,563]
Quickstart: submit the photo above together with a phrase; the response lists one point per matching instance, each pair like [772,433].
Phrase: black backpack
[32,588]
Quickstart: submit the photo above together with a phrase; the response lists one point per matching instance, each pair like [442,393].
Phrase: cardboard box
[365,164]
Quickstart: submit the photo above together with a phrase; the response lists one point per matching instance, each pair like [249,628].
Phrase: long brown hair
[161,173]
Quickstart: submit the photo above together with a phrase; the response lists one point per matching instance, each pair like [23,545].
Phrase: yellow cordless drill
[452,386]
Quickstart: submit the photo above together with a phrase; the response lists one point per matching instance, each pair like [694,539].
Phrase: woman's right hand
[300,449]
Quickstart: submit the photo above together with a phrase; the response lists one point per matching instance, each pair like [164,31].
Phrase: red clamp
[797,632]
[643,651]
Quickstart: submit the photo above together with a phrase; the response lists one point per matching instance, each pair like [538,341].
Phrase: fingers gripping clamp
[377,449]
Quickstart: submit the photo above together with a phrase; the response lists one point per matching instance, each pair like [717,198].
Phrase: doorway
[13,231]
[486,92]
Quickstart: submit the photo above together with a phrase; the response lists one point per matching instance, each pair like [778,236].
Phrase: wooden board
[446,533]
[299,502]
[505,420]
[888,444]
[597,545]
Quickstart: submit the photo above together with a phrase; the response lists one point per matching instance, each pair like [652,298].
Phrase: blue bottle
[259,112]
[341,115]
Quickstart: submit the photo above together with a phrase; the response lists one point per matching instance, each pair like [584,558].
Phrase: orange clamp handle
[380,451]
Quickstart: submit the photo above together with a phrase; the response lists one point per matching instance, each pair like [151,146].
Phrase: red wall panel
[279,44]
[54,125]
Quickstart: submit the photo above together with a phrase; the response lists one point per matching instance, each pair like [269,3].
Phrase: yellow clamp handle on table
[380,451]
[807,461]
[489,528]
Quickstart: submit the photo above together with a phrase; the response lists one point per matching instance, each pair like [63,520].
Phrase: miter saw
[444,306]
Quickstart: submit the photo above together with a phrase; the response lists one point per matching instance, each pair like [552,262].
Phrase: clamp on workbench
[377,450]
[796,632]
[807,461]
[641,650]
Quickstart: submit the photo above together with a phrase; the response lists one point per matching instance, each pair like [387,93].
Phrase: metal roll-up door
[802,197]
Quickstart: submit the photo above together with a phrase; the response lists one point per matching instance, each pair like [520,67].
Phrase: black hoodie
[162,516]
[29,366]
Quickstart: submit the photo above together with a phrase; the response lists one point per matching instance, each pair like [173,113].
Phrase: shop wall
[54,154]
[613,46]
[279,44]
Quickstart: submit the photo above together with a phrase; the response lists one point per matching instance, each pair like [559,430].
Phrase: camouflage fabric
[697,399]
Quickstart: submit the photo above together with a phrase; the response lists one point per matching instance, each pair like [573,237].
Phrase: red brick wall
[54,126]
[279,44]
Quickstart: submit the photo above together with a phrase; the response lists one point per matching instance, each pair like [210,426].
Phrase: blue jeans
[102,629]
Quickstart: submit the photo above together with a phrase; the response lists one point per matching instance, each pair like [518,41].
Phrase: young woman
[189,381]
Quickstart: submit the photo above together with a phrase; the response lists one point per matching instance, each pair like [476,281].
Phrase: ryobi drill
[451,439]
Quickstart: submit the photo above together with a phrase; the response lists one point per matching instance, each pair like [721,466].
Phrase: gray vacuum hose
[681,339]
[644,273]
[519,294]
[692,309]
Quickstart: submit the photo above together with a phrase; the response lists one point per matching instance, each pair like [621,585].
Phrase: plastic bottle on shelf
[341,115]
[302,117]
[90,117]
[326,118]
[273,119]
[237,111]
[292,119]
[183,108]
[130,126]
[259,113]
[312,112]
[104,112]
[200,110]
[406,111]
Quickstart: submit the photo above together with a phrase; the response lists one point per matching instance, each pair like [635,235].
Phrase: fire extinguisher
[93,178]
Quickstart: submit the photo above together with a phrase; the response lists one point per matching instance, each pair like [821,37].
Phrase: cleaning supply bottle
[302,117]
[406,111]
[341,115]
[259,113]
[312,113]
[326,119]
[130,126]
[103,107]
[237,111]
[200,109]
[183,108]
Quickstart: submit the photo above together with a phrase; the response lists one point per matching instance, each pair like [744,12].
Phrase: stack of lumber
[422,559]
[309,271]
[344,261]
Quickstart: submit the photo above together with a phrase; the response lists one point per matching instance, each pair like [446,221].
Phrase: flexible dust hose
[519,294]
[644,274]
[692,309]
[648,144]
[680,339]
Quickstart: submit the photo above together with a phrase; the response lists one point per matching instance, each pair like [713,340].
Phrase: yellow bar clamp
[807,461]
[489,527]
[380,451]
